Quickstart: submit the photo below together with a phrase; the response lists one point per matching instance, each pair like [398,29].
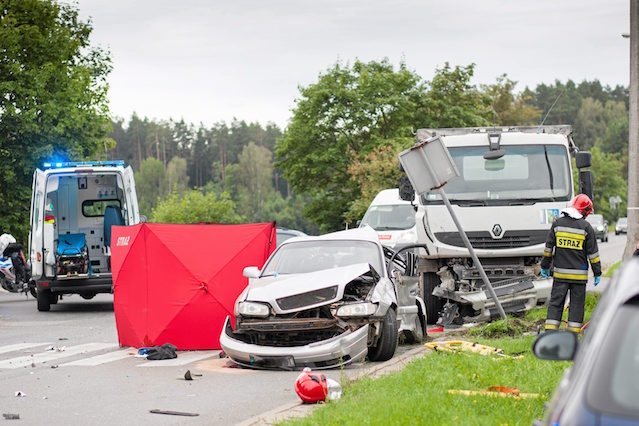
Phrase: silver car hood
[269,289]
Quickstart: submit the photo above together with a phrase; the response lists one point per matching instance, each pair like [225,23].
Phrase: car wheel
[434,304]
[87,296]
[388,339]
[33,290]
[416,336]
[44,300]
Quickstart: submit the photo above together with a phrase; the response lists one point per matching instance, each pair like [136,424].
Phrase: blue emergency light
[58,165]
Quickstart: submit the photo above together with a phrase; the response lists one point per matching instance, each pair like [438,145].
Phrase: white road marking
[183,358]
[19,347]
[101,359]
[53,355]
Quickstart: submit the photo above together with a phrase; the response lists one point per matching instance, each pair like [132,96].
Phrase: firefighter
[574,243]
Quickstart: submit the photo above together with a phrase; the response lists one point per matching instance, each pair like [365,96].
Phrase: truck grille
[483,239]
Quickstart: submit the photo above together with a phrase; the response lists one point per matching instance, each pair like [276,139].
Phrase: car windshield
[622,221]
[390,217]
[525,173]
[595,219]
[310,256]
[613,387]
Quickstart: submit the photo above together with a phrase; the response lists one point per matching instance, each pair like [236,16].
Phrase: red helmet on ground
[582,204]
[311,387]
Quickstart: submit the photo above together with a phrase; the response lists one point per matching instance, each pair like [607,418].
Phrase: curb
[299,409]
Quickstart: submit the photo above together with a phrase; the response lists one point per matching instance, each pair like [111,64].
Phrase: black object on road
[173,413]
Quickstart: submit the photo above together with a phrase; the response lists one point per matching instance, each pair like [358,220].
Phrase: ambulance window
[95,208]
[36,217]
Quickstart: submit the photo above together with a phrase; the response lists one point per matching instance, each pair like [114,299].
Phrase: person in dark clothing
[570,246]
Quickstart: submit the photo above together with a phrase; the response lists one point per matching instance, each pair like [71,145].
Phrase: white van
[392,218]
[73,206]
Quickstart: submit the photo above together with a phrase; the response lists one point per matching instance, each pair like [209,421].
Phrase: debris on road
[11,416]
[173,413]
[20,394]
[165,351]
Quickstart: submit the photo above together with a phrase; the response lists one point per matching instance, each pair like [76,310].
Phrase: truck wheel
[434,304]
[44,300]
[388,339]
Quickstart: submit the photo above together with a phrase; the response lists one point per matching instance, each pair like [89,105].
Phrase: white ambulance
[392,218]
[73,207]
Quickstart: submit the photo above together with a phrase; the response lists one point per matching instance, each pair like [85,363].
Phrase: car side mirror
[251,272]
[556,345]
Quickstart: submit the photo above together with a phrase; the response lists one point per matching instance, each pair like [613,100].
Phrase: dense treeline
[341,144]
[318,174]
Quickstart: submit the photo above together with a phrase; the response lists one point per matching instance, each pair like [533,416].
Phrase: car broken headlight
[356,310]
[253,309]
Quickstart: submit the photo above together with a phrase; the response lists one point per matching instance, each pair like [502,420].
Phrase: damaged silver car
[325,301]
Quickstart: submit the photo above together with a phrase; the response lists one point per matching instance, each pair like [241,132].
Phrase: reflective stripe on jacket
[571,245]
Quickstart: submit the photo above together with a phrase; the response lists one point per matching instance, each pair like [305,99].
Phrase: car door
[36,221]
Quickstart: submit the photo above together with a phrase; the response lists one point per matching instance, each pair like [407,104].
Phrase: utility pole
[633,141]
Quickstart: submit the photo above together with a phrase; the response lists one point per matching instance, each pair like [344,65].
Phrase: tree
[176,178]
[255,174]
[378,170]
[347,113]
[608,181]
[150,182]
[590,123]
[52,97]
[196,207]
[509,108]
[452,101]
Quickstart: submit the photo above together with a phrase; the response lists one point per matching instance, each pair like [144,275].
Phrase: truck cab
[73,207]
[512,183]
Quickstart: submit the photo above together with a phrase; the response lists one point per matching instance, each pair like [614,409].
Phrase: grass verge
[419,393]
[611,271]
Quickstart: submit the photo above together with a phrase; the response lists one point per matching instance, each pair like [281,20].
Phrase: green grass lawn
[419,393]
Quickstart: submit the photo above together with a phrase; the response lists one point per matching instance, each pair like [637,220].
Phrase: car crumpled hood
[268,289]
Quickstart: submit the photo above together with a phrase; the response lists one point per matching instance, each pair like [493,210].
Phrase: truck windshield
[525,174]
[390,217]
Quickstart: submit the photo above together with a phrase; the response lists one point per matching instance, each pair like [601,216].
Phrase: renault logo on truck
[497,230]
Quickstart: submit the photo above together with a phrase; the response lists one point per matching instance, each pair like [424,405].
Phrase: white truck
[73,207]
[512,183]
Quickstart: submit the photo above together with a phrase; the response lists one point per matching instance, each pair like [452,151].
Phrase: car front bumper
[348,347]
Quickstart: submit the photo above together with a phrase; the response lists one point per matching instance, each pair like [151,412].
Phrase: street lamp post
[633,141]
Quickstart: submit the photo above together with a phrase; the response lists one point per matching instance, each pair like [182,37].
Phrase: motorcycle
[15,276]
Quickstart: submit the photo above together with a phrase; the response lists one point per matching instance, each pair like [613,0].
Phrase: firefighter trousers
[557,301]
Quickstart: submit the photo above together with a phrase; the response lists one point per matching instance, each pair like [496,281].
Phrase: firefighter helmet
[311,387]
[582,204]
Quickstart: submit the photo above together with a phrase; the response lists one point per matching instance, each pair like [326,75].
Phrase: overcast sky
[210,60]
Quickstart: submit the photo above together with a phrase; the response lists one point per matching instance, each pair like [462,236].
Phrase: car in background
[283,234]
[392,218]
[602,386]
[600,225]
[323,302]
[622,226]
